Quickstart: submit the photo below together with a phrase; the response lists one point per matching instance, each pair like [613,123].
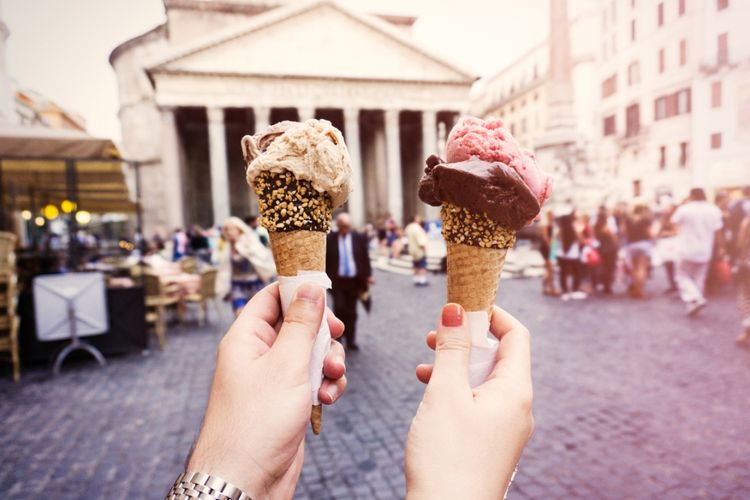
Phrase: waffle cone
[474,275]
[295,251]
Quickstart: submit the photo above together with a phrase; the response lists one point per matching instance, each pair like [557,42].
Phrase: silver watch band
[192,485]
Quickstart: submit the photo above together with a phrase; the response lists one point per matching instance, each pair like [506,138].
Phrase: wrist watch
[197,485]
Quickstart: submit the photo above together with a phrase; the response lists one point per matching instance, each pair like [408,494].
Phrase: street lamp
[83,217]
[39,221]
[26,214]
[68,206]
[50,212]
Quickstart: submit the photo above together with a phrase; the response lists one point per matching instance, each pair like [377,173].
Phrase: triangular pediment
[319,39]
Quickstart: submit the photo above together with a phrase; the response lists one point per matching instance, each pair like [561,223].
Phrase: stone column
[262,118]
[305,113]
[217,148]
[429,147]
[429,133]
[393,160]
[170,163]
[357,197]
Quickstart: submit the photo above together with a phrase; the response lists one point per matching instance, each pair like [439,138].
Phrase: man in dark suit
[348,266]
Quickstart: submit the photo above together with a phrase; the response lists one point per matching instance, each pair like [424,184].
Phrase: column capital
[215,114]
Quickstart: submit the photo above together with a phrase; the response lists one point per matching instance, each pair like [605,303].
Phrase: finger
[515,342]
[452,346]
[334,366]
[264,305]
[424,372]
[431,339]
[331,390]
[335,325]
[300,327]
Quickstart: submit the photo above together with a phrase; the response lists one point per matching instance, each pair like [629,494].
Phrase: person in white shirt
[417,237]
[698,223]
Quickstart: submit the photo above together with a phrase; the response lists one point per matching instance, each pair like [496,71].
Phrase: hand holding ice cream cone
[488,189]
[300,172]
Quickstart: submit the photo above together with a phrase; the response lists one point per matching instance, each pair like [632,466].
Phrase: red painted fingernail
[453,315]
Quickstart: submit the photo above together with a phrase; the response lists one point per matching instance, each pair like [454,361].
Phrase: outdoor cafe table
[187,283]
[127,327]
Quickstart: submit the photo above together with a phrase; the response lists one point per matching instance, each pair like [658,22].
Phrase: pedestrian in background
[417,244]
[180,244]
[666,246]
[639,230]
[569,257]
[698,224]
[348,266]
[546,231]
[251,263]
[742,273]
[253,222]
[608,249]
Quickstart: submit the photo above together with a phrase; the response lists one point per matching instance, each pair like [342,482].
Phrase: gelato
[491,141]
[311,151]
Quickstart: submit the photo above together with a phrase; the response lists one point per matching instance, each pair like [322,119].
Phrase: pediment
[322,39]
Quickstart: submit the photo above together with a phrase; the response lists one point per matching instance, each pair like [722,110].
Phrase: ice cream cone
[474,275]
[477,248]
[296,250]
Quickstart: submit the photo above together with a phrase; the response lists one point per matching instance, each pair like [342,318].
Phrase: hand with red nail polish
[259,407]
[464,442]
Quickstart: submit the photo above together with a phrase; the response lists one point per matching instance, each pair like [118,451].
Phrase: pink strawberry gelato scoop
[490,141]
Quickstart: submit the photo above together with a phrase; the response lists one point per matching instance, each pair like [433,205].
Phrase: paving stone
[632,400]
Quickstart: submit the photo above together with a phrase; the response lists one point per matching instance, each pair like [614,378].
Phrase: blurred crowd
[698,244]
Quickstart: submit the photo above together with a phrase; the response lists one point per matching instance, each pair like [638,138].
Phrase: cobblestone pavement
[632,400]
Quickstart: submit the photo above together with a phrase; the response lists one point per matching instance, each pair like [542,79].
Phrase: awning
[33,170]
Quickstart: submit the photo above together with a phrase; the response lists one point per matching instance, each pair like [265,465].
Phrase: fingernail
[310,293]
[453,315]
[332,392]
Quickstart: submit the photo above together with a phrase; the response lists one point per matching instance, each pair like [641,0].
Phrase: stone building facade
[218,69]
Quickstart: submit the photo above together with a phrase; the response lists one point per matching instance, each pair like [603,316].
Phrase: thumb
[452,346]
[301,323]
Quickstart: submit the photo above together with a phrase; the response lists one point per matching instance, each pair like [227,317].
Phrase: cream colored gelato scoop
[313,150]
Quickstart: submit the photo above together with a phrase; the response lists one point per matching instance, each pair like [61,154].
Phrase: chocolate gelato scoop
[481,187]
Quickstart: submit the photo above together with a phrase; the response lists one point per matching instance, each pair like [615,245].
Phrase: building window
[662,62]
[636,188]
[632,4]
[716,94]
[660,14]
[614,12]
[512,129]
[722,4]
[632,30]
[609,125]
[662,157]
[671,105]
[536,72]
[683,154]
[683,52]
[681,7]
[722,53]
[523,125]
[609,86]
[632,120]
[716,141]
[634,73]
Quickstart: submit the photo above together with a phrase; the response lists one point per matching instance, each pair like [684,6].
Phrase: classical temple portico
[392,101]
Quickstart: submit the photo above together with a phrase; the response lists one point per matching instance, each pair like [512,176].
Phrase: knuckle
[451,343]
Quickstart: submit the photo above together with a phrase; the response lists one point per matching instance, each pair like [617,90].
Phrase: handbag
[723,271]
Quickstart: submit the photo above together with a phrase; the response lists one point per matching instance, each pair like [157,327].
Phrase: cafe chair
[7,252]
[158,298]
[9,343]
[206,293]
[189,265]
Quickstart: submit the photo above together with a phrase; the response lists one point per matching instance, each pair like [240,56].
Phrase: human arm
[464,442]
[254,428]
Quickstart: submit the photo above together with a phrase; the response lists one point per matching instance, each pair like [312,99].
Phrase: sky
[60,48]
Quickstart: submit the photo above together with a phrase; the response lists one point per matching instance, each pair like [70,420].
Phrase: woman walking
[251,262]
[742,261]
[546,228]
[569,257]
[608,247]
[638,227]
